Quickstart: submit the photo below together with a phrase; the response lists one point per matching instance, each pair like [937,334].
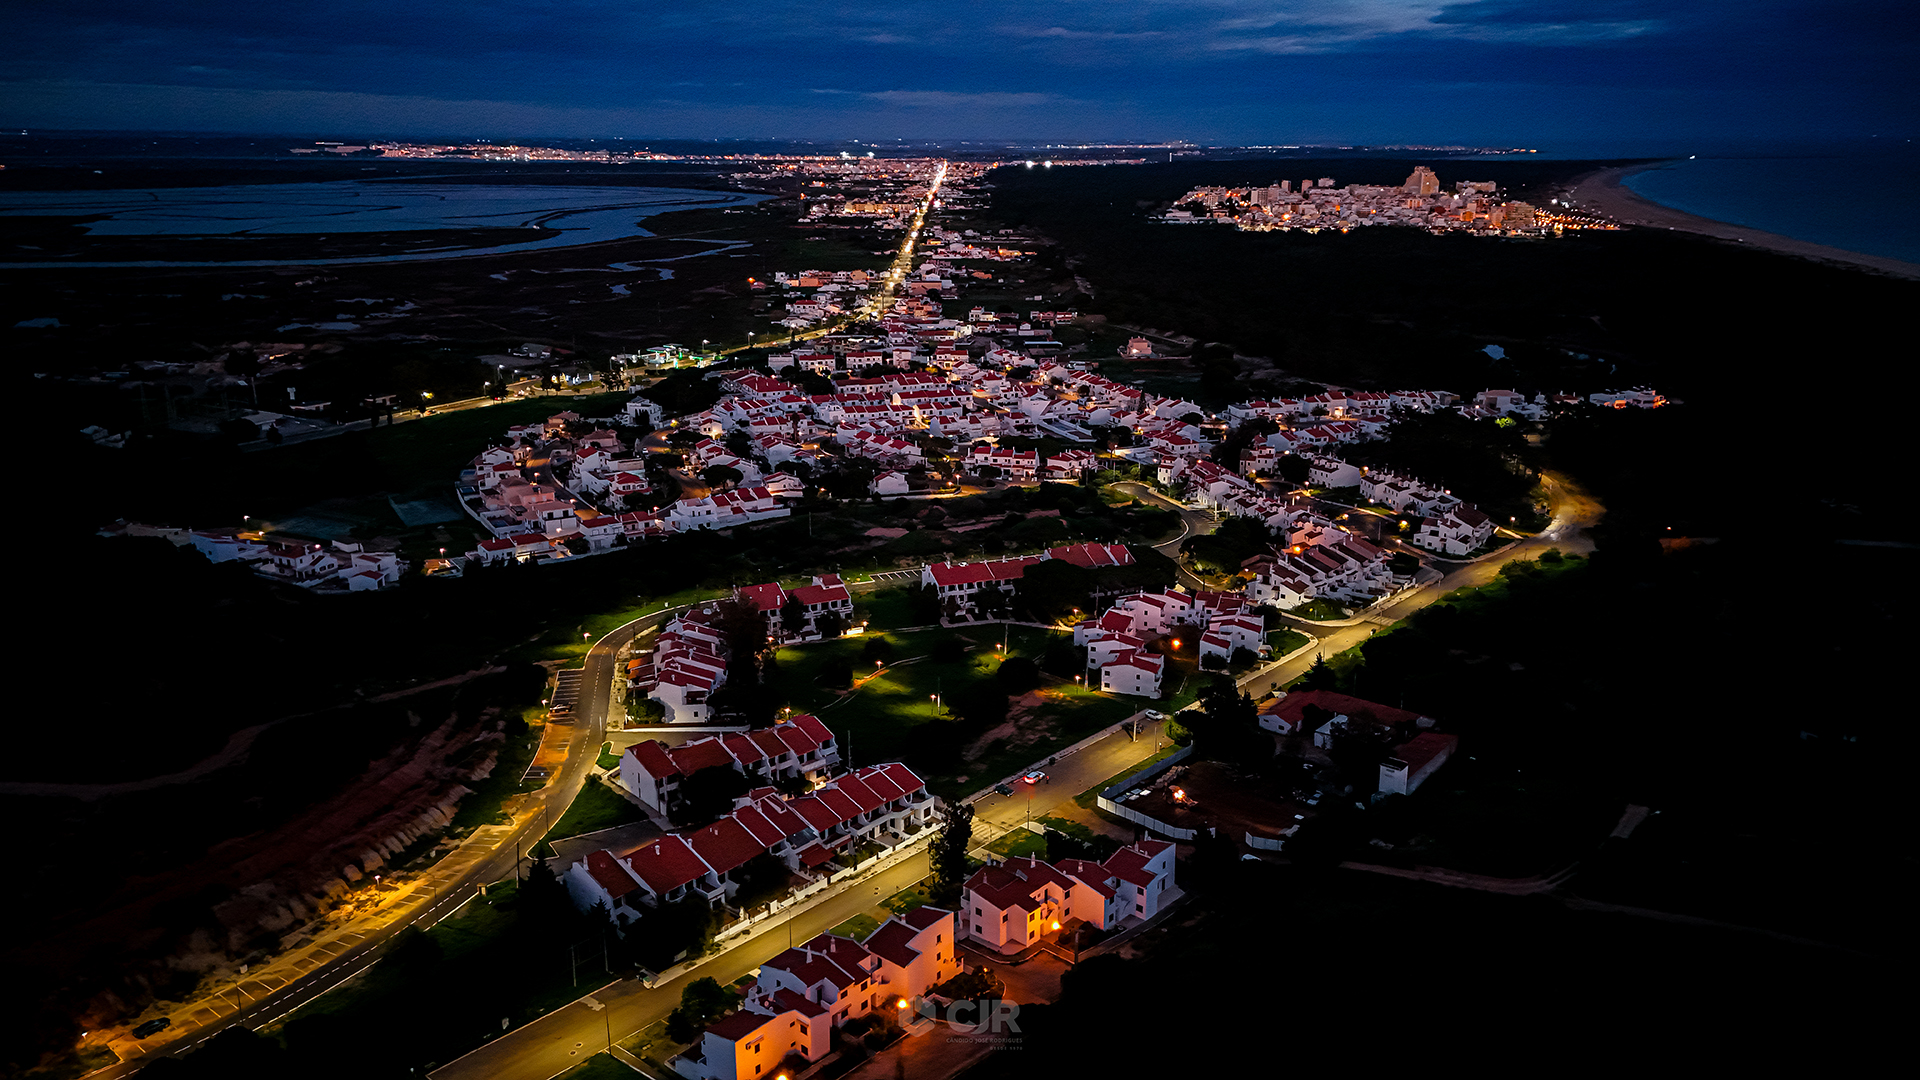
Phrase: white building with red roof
[798,747]
[1009,907]
[1456,532]
[1134,673]
[959,584]
[826,595]
[886,805]
[1415,760]
[800,995]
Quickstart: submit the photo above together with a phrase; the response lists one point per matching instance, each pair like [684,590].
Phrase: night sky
[1597,75]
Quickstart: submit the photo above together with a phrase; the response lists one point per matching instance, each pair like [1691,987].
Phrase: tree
[993,601]
[950,848]
[717,476]
[743,625]
[1293,468]
[923,605]
[829,623]
[836,674]
[1320,676]
[793,616]
[1357,748]
[876,649]
[1017,675]
[541,896]
[1226,728]
[1213,661]
[982,704]
[710,792]
[1055,588]
[763,878]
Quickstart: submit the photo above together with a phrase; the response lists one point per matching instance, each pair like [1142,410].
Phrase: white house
[1133,673]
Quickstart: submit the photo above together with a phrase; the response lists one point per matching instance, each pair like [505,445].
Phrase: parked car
[153,1027]
[1156,714]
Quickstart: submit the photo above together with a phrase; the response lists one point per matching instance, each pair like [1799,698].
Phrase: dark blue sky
[1626,75]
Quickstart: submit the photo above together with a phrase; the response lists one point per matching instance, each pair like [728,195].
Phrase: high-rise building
[1326,181]
[1286,186]
[1422,182]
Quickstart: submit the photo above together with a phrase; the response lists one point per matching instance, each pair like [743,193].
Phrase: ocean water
[1852,198]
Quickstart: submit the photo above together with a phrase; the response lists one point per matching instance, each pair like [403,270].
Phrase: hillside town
[1473,206]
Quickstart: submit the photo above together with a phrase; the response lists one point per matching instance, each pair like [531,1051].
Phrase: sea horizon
[1795,194]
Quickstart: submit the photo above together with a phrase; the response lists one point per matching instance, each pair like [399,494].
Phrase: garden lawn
[596,807]
[1020,842]
[607,759]
[857,927]
[1285,641]
[876,722]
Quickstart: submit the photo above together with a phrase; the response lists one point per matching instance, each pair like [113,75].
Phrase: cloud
[945,99]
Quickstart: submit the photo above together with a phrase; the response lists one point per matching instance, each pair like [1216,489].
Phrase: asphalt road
[1573,512]
[271,991]
[1192,523]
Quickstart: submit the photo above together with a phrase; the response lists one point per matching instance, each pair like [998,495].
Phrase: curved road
[1574,511]
[1192,523]
[268,992]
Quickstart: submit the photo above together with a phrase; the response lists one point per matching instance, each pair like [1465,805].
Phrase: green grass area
[879,718]
[908,899]
[607,759]
[1020,842]
[1318,611]
[885,608]
[596,807]
[483,806]
[1075,829]
[1086,799]
[570,642]
[858,927]
[1285,641]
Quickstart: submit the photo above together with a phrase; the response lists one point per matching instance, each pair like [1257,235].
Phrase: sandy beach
[1605,193]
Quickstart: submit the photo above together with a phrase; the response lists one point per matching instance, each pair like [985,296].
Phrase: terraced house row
[812,835]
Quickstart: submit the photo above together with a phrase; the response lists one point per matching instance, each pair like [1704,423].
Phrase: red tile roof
[652,756]
[725,845]
[893,941]
[1130,866]
[1292,708]
[605,869]
[766,597]
[921,918]
[666,864]
[699,754]
[1416,752]
[739,1026]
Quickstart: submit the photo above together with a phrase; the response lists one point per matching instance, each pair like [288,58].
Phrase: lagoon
[583,215]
